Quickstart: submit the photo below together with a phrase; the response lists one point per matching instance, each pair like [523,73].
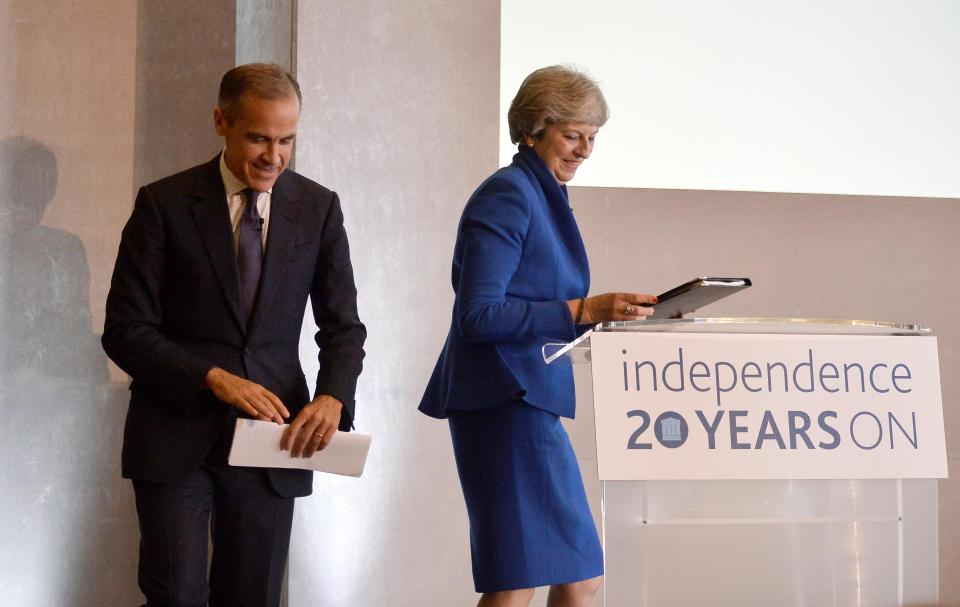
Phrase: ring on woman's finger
[629,310]
[318,435]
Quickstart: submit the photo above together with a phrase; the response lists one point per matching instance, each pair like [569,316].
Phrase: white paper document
[257,444]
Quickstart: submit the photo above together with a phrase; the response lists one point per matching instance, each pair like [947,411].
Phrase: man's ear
[219,121]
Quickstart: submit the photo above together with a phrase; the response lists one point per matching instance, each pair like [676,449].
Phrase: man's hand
[313,428]
[251,398]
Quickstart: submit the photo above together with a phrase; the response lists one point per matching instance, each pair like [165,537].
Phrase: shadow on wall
[44,308]
[68,529]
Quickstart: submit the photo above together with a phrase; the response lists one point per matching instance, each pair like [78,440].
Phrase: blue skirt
[530,524]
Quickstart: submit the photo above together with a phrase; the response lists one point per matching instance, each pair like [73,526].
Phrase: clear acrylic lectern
[757,542]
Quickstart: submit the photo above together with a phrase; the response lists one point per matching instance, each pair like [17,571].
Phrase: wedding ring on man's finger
[629,310]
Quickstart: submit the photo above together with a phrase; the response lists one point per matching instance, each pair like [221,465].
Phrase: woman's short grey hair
[552,95]
[265,80]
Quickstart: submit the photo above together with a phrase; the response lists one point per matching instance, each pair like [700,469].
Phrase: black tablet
[696,294]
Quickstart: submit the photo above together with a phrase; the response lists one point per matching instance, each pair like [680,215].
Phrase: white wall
[852,97]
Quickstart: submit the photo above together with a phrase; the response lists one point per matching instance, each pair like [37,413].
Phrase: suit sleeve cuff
[554,320]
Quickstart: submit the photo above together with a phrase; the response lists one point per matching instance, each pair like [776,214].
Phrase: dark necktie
[249,252]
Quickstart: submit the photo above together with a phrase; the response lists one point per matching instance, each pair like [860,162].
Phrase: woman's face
[564,147]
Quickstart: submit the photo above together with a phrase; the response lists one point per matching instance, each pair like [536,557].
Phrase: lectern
[762,461]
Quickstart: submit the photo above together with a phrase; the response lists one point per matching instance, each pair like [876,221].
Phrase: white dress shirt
[237,202]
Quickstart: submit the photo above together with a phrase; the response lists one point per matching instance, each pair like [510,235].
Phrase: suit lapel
[280,240]
[556,199]
[576,240]
[213,222]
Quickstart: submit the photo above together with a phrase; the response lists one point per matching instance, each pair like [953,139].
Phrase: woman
[520,276]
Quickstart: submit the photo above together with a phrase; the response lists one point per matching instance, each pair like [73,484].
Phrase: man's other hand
[250,397]
[313,428]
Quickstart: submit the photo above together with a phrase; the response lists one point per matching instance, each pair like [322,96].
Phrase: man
[204,313]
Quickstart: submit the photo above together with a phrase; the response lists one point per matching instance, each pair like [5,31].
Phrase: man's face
[259,139]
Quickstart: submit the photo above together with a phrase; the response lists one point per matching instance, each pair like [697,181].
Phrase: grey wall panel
[183,48]
[99,97]
[265,30]
[400,117]
[66,163]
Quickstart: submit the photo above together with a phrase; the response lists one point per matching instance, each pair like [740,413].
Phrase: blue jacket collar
[526,157]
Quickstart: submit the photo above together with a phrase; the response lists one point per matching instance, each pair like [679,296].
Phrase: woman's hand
[613,306]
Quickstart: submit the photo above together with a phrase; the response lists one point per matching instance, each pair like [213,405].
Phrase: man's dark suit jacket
[174,312]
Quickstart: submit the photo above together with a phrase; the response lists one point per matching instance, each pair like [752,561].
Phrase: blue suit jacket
[518,258]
